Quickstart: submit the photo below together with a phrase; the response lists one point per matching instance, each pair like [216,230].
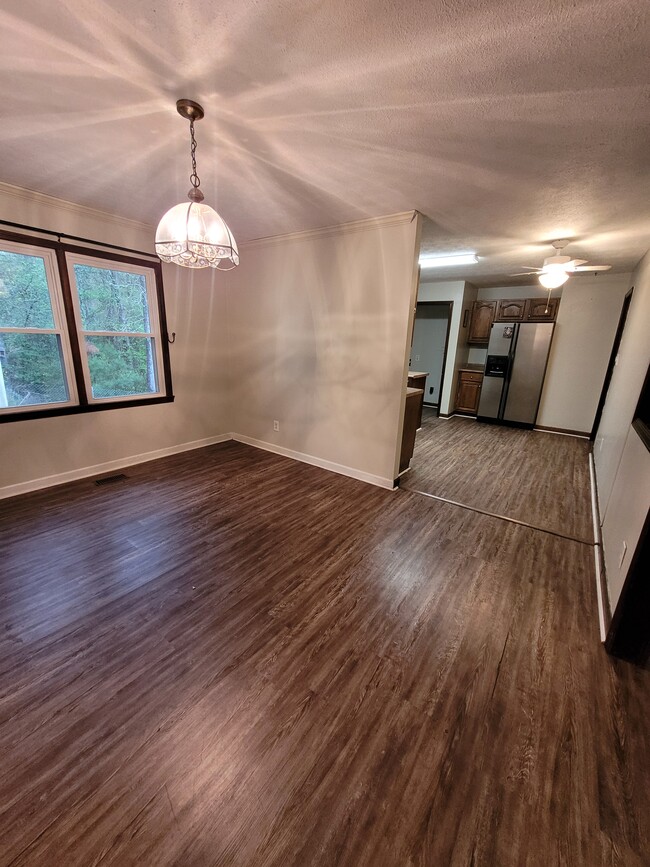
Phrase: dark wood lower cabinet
[418,380]
[412,413]
[468,391]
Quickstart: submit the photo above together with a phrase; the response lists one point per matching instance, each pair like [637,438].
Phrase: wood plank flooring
[234,659]
[538,478]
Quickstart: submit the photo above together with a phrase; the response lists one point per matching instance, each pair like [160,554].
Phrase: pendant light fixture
[193,234]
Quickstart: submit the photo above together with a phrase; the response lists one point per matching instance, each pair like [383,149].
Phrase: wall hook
[171,339]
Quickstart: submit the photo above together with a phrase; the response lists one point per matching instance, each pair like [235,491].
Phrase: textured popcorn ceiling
[506,123]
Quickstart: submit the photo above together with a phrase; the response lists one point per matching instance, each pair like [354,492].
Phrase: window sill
[76,410]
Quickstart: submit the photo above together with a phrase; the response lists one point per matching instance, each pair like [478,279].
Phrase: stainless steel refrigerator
[514,372]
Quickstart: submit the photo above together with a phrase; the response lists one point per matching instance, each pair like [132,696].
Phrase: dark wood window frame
[73,330]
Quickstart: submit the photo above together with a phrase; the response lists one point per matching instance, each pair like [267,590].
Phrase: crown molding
[340,229]
[64,205]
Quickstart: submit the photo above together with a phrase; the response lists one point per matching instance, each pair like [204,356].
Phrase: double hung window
[79,330]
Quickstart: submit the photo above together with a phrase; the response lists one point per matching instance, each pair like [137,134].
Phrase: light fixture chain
[194,178]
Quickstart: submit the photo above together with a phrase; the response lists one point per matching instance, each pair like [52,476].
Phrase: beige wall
[319,327]
[628,506]
[33,450]
[582,344]
[622,463]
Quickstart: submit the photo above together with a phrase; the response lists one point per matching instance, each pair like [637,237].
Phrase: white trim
[340,229]
[561,433]
[25,193]
[130,460]
[597,547]
[362,476]
[55,294]
[96,469]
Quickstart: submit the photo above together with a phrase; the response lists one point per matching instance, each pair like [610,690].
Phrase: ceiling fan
[557,269]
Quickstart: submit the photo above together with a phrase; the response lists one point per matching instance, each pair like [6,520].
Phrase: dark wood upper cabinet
[511,310]
[483,313]
[539,310]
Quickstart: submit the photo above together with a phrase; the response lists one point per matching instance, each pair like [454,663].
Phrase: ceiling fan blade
[532,267]
[588,268]
[525,273]
[574,263]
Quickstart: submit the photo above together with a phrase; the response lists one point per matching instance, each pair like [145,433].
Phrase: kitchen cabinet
[538,310]
[414,398]
[468,391]
[483,313]
[418,380]
[511,310]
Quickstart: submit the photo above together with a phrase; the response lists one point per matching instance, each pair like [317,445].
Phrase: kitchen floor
[539,478]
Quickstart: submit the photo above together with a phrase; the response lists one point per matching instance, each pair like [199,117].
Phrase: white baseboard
[598,551]
[371,479]
[107,466]
[130,460]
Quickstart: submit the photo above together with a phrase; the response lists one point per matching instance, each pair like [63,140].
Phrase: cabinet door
[467,395]
[511,310]
[537,310]
[482,319]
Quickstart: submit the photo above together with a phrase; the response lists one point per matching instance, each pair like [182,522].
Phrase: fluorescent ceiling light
[444,261]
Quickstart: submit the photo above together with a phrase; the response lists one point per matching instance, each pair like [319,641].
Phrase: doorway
[429,347]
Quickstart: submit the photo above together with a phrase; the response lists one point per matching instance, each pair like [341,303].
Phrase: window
[79,330]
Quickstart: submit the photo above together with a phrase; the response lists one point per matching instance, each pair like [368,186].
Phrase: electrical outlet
[417,357]
[623,552]
[276,425]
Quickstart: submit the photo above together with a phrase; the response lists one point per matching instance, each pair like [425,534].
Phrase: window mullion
[7,330]
[73,326]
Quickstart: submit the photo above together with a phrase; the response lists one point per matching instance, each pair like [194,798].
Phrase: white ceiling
[506,122]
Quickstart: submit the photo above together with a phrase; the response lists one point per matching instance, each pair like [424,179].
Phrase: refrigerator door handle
[508,376]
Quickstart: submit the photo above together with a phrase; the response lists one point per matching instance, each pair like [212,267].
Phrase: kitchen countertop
[473,368]
[418,373]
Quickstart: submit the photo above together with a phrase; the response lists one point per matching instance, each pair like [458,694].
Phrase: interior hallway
[231,658]
[539,478]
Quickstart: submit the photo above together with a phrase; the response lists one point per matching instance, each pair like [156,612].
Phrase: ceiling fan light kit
[192,234]
[553,278]
[557,269]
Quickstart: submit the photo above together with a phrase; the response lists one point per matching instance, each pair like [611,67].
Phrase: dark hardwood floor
[538,478]
[231,658]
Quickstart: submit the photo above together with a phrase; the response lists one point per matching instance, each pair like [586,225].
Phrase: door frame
[612,362]
[450,307]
